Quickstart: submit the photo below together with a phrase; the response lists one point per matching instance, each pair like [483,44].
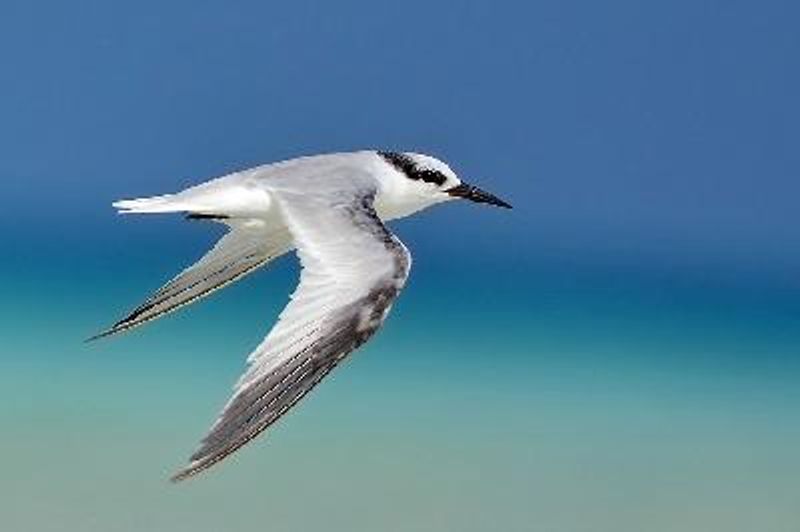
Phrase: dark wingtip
[190,471]
[120,326]
[180,476]
[100,336]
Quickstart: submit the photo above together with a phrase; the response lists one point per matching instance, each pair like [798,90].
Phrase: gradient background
[618,353]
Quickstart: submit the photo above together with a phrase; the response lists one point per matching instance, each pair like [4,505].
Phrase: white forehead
[432,163]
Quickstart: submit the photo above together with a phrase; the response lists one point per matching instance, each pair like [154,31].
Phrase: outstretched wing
[248,245]
[353,269]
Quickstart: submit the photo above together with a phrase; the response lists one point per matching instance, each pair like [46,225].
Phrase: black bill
[477,195]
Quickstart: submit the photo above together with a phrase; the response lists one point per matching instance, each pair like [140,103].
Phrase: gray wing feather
[239,252]
[344,244]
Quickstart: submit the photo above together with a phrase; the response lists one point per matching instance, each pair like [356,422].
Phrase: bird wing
[248,245]
[353,269]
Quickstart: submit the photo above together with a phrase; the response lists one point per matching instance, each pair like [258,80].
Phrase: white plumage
[330,208]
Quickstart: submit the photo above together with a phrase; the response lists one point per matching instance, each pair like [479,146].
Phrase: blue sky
[623,132]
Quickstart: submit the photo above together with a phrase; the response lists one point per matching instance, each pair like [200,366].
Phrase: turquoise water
[561,400]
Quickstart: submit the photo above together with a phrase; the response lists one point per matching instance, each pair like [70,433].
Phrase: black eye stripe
[409,168]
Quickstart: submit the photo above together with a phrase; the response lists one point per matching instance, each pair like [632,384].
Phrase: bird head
[428,180]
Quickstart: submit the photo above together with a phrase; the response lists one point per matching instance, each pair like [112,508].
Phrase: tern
[331,209]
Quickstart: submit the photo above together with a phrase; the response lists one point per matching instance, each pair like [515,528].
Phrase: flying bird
[331,209]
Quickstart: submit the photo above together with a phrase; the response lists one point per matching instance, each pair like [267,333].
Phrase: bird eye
[433,176]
